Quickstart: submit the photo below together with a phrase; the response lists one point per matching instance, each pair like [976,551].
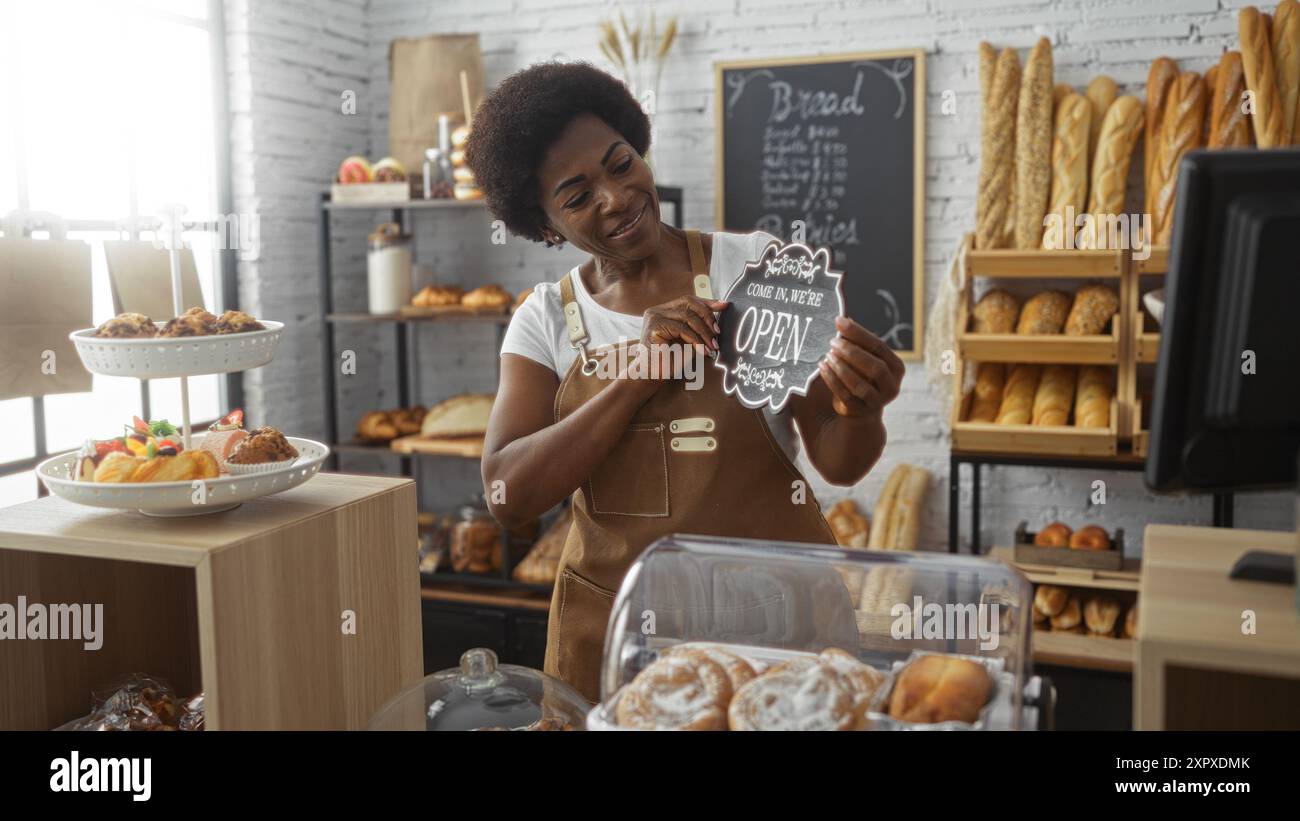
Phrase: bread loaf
[1092,400]
[1285,40]
[1018,395]
[1034,146]
[908,509]
[1059,92]
[1071,616]
[1159,80]
[995,313]
[1131,623]
[1229,126]
[1057,534]
[1093,307]
[1044,313]
[1069,194]
[1101,92]
[1183,125]
[1054,395]
[1261,80]
[1050,600]
[937,688]
[881,516]
[1101,614]
[848,524]
[1119,134]
[993,208]
[990,378]
[988,66]
[1211,77]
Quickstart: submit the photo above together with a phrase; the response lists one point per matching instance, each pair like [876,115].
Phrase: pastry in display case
[727,634]
[476,543]
[481,694]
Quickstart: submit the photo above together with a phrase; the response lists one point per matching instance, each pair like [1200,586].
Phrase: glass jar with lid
[476,541]
[481,694]
[388,269]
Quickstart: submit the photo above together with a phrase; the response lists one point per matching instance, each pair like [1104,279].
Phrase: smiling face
[598,193]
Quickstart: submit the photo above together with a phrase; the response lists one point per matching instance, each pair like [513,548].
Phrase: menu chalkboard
[830,152]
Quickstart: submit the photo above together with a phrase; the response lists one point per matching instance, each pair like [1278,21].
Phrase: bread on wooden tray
[995,313]
[1018,395]
[1044,313]
[1091,311]
[1093,397]
[459,416]
[990,378]
[1057,534]
[1053,397]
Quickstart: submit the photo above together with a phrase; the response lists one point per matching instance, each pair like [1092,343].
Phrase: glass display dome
[484,695]
[773,602]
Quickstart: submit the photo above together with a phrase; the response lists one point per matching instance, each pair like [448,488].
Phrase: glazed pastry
[936,688]
[1100,614]
[796,697]
[863,679]
[689,692]
[487,296]
[1093,307]
[194,322]
[1018,396]
[850,527]
[117,467]
[1044,313]
[1050,600]
[990,379]
[1033,175]
[128,326]
[994,213]
[1054,395]
[1091,537]
[266,444]
[1092,401]
[436,296]
[739,671]
[237,322]
[995,313]
[185,466]
[375,427]
[1054,535]
[1071,616]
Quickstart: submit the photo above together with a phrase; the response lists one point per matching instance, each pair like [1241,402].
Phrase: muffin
[194,322]
[237,322]
[128,326]
[266,445]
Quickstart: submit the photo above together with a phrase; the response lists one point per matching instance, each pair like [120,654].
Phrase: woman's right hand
[687,319]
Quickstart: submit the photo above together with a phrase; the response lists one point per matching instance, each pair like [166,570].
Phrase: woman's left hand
[862,373]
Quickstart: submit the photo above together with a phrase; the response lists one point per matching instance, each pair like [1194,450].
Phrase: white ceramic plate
[181,498]
[177,356]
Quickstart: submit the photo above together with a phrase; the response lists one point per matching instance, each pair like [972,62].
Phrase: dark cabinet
[450,628]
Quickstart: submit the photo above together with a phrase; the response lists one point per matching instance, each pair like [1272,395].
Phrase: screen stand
[1259,566]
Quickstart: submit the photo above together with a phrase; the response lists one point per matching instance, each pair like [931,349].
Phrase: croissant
[118,467]
[185,466]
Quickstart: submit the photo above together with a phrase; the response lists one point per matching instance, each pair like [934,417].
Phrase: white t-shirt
[538,332]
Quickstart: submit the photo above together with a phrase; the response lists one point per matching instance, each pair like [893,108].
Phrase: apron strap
[703,284]
[573,321]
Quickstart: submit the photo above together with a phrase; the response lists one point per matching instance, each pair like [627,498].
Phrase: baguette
[1018,395]
[1054,395]
[908,509]
[883,513]
[1034,146]
[1229,126]
[1261,80]
[1119,134]
[1159,80]
[1211,78]
[1285,40]
[990,378]
[988,68]
[1059,92]
[993,209]
[1069,193]
[1183,120]
[1102,91]
[1092,400]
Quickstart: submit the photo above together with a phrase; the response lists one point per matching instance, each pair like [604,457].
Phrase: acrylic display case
[773,601]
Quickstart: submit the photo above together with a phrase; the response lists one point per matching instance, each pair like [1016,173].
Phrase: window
[112,111]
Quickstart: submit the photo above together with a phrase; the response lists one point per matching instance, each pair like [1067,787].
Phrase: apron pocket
[579,638]
[633,479]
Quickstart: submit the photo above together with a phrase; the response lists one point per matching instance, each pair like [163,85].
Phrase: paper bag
[45,294]
[141,279]
[424,81]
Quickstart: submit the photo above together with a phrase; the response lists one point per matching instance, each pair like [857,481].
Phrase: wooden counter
[1195,668]
[245,605]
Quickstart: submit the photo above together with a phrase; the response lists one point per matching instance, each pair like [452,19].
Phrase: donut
[679,692]
[815,697]
[739,671]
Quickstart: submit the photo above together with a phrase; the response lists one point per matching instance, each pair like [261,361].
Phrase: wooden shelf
[1035,439]
[1038,264]
[519,599]
[1102,349]
[1088,652]
[1126,578]
[467,447]
[1147,342]
[491,318]
[1157,263]
[403,205]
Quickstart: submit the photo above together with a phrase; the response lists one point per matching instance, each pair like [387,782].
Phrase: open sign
[779,324]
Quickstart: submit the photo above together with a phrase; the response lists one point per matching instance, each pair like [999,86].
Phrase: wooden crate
[1027,552]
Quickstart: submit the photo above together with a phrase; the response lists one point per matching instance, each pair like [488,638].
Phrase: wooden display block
[247,605]
[370,192]
[1101,349]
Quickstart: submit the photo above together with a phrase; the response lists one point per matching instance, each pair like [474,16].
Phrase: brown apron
[690,461]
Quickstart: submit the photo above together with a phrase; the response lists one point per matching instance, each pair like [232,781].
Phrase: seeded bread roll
[1159,80]
[1261,79]
[1069,195]
[1093,307]
[1229,126]
[1102,91]
[1034,146]
[1119,134]
[1044,313]
[1181,132]
[995,313]
[993,208]
[1285,40]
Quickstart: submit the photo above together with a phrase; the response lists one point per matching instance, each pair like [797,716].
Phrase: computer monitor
[1226,410]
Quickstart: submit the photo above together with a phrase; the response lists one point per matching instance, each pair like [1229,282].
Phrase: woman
[558,151]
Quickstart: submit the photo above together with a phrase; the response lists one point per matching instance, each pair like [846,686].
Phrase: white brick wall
[289,60]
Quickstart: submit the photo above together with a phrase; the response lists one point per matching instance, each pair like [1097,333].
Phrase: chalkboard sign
[830,152]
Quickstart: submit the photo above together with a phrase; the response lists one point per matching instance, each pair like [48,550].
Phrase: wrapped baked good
[937,688]
[1044,313]
[1091,312]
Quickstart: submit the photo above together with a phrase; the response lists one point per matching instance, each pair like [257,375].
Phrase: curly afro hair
[518,122]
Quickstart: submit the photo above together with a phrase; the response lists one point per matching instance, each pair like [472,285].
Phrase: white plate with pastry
[190,483]
[193,344]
